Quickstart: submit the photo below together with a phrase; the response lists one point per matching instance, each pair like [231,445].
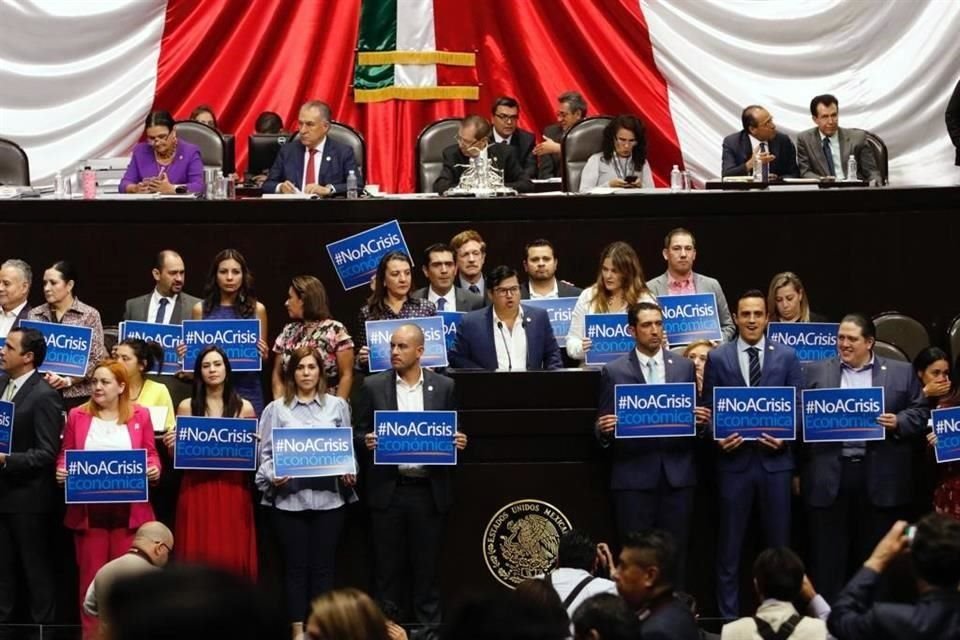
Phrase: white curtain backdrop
[77,77]
[891,63]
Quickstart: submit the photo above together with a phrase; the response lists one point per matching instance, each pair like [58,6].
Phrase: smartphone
[630,179]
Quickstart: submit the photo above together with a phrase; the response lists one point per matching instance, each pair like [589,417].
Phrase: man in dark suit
[505,336]
[472,138]
[854,491]
[440,267]
[652,479]
[15,278]
[313,162]
[571,109]
[167,303]
[540,262]
[934,553]
[952,116]
[758,472]
[506,112]
[813,144]
[408,503]
[28,492]
[759,141]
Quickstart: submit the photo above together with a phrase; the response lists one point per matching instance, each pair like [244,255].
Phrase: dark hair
[232,403]
[779,574]
[576,550]
[867,328]
[575,101]
[268,122]
[379,295]
[927,357]
[539,242]
[825,99]
[159,119]
[32,341]
[658,549]
[161,258]
[438,247]
[499,274]
[747,117]
[480,124]
[290,382]
[607,614]
[67,272]
[204,108]
[246,303]
[148,353]
[631,123]
[314,296]
[753,293]
[505,101]
[553,616]
[667,239]
[936,550]
[633,311]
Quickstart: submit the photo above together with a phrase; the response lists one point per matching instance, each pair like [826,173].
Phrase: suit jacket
[813,163]
[335,165]
[889,462]
[504,158]
[137,308]
[855,616]
[703,284]
[781,368]
[522,143]
[23,315]
[564,290]
[737,149]
[463,299]
[141,437]
[474,346]
[637,461]
[952,116]
[379,393]
[27,483]
[670,619]
[550,165]
[775,613]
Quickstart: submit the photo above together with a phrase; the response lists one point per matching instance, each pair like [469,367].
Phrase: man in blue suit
[854,491]
[313,162]
[750,472]
[505,336]
[759,142]
[652,478]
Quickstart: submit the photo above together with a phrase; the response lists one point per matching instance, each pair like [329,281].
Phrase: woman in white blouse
[623,157]
[620,283]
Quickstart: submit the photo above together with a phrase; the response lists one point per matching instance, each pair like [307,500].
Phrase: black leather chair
[880,153]
[14,164]
[345,134]
[431,142]
[207,138]
[891,351]
[902,331]
[581,141]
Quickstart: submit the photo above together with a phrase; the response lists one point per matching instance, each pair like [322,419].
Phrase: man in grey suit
[167,303]
[440,267]
[680,252]
[823,151]
[15,279]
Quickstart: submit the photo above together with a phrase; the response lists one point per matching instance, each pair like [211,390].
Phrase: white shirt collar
[644,358]
[553,293]
[498,138]
[449,296]
[157,297]
[833,138]
[497,318]
[742,346]
[754,142]
[15,312]
[18,381]
[403,383]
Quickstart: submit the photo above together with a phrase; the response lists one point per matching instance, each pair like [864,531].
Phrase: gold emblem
[521,540]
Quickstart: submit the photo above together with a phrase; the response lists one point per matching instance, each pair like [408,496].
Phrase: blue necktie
[754,356]
[474,289]
[829,155]
[161,310]
[441,303]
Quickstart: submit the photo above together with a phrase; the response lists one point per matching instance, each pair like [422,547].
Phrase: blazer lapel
[390,392]
[768,364]
[534,358]
[298,167]
[635,367]
[844,150]
[879,373]
[817,155]
[24,389]
[487,329]
[671,370]
[733,361]
[834,374]
[429,392]
[177,316]
[746,147]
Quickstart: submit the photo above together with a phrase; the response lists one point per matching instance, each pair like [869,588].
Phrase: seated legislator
[787,300]
[506,336]
[203,113]
[759,141]
[571,109]
[313,163]
[823,150]
[622,162]
[506,113]
[472,138]
[163,164]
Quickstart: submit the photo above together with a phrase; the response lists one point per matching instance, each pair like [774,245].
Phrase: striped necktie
[754,355]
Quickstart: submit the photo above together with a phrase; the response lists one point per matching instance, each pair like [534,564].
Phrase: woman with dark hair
[139,358]
[63,307]
[391,298]
[214,522]
[311,326]
[203,113]
[622,162]
[228,295]
[163,164]
[932,366]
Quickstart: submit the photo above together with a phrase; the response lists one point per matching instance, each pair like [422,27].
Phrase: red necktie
[311,177]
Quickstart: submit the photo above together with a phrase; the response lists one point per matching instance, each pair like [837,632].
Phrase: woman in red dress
[214,523]
[933,368]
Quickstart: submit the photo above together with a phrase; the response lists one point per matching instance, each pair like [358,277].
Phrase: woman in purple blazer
[163,163]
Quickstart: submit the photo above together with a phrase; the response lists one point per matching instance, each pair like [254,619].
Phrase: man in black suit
[952,116]
[28,492]
[571,109]
[506,113]
[472,138]
[540,262]
[759,142]
[408,503]
[440,267]
[15,278]
[167,303]
[934,553]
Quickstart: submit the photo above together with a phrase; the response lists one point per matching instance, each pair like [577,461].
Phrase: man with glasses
[506,114]
[472,138]
[823,150]
[759,147]
[571,109]
[505,336]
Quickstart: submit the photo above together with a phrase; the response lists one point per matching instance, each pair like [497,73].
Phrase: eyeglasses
[461,140]
[506,117]
[165,545]
[507,291]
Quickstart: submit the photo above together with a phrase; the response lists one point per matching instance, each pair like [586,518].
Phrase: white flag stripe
[415,32]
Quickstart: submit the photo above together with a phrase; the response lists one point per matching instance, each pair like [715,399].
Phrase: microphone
[506,345]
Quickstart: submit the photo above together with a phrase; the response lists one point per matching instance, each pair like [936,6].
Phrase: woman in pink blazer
[109,420]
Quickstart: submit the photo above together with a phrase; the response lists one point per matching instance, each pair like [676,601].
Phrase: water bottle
[89,184]
[351,185]
[210,182]
[58,186]
[676,179]
[851,169]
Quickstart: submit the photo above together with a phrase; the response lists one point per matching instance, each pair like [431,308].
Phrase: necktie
[10,391]
[441,304]
[474,289]
[652,377]
[311,177]
[828,152]
[764,167]
[161,310]
[754,355]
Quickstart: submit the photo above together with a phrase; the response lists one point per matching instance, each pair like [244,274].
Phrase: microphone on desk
[506,345]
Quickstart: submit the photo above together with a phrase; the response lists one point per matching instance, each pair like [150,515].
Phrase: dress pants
[25,550]
[95,548]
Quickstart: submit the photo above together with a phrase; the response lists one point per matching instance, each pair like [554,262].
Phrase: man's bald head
[406,347]
[154,531]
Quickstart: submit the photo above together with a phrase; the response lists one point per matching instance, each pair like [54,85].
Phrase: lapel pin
[430,388]
[328,158]
[883,367]
[669,360]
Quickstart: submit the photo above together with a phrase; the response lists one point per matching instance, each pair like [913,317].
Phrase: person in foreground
[933,547]
[350,614]
[605,616]
[163,163]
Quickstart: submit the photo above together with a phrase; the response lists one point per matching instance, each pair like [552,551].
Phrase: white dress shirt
[498,138]
[155,304]
[7,318]
[743,357]
[511,344]
[107,435]
[553,293]
[410,398]
[584,306]
[450,297]
[659,372]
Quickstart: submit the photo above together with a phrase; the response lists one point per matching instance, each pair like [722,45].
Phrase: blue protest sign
[946,426]
[237,338]
[313,452]
[752,411]
[68,347]
[690,317]
[434,346]
[6,426]
[106,476]
[450,321]
[559,311]
[168,336]
[839,415]
[655,410]
[812,341]
[356,257]
[608,335]
[221,444]
[415,437]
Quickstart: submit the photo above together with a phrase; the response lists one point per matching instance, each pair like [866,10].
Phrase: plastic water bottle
[351,185]
[89,184]
[58,186]
[851,169]
[676,179]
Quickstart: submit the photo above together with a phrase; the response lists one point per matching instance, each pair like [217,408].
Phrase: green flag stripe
[378,25]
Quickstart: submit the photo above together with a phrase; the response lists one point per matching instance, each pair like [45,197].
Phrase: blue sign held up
[415,437]
[238,339]
[690,317]
[356,257]
[812,341]
[7,411]
[68,347]
[451,319]
[946,426]
[559,311]
[313,452]
[434,345]
[97,477]
[609,337]
[839,415]
[221,444]
[655,410]
[753,411]
[168,336]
